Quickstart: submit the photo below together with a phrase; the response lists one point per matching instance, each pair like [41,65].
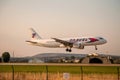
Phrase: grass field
[55,72]
[53,69]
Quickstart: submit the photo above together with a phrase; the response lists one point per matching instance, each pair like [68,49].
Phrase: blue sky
[58,18]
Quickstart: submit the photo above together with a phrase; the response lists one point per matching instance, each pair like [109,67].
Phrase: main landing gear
[68,50]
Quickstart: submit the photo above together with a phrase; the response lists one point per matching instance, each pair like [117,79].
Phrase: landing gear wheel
[96,49]
[70,50]
[67,49]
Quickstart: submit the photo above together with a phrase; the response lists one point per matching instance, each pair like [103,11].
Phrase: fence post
[12,72]
[46,72]
[81,73]
[118,72]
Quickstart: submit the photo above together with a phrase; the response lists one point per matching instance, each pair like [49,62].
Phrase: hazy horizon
[58,18]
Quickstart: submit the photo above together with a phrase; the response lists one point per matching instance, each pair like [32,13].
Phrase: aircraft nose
[105,41]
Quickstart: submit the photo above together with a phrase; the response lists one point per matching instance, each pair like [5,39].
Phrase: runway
[59,64]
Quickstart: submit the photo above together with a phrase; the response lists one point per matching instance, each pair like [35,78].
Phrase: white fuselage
[69,43]
[83,41]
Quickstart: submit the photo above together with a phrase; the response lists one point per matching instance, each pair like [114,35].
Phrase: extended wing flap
[66,43]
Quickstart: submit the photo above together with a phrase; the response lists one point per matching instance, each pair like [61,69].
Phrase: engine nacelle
[78,45]
[62,46]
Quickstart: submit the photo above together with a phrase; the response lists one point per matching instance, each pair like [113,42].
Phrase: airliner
[68,43]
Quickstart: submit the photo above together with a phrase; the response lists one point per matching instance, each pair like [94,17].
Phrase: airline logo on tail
[69,43]
[33,35]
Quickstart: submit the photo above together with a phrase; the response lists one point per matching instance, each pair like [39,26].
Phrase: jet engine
[62,46]
[78,45]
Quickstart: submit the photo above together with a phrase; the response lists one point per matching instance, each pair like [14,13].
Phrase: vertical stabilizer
[34,34]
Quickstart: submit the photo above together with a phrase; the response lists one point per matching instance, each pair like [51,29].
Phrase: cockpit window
[100,38]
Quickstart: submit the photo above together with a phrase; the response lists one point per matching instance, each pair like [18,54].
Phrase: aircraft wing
[65,43]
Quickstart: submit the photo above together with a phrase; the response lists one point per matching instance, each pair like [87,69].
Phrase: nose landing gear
[96,47]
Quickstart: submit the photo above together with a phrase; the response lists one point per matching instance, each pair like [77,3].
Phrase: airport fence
[59,72]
